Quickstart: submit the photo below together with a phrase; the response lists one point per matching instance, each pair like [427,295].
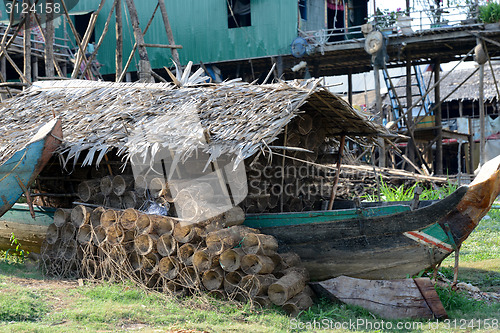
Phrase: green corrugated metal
[200,26]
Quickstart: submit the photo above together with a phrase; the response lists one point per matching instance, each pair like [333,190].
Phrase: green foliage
[21,305]
[490,13]
[405,193]
[15,253]
[453,300]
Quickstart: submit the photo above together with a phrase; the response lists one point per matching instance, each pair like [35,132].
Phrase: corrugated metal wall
[201,27]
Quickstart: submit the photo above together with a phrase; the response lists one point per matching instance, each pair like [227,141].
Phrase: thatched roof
[468,91]
[239,118]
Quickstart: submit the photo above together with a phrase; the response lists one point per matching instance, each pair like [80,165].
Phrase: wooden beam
[73,29]
[482,141]
[163,46]
[170,35]
[119,41]
[49,41]
[337,175]
[438,116]
[27,42]
[144,64]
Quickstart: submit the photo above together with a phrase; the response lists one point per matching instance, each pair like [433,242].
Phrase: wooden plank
[170,35]
[119,41]
[391,299]
[144,64]
[431,297]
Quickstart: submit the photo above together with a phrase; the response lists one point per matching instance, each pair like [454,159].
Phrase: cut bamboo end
[297,304]
[99,235]
[174,288]
[213,278]
[232,281]
[141,185]
[52,234]
[84,234]
[149,263]
[105,185]
[185,254]
[220,295]
[121,183]
[128,240]
[68,232]
[256,285]
[80,215]
[95,216]
[88,189]
[286,287]
[230,260]
[162,224]
[128,218]
[169,267]
[204,260]
[263,301]
[189,278]
[115,201]
[70,249]
[166,245]
[134,260]
[108,218]
[114,234]
[145,244]
[256,264]
[259,244]
[185,234]
[61,216]
[130,200]
[157,187]
[143,225]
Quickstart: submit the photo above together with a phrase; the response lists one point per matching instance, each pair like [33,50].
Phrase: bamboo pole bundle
[259,244]
[80,215]
[105,185]
[145,243]
[166,245]
[174,288]
[128,240]
[88,189]
[52,234]
[114,234]
[257,285]
[286,287]
[213,278]
[189,209]
[185,254]
[162,224]
[232,281]
[61,216]
[121,183]
[203,260]
[143,225]
[230,260]
[134,260]
[128,218]
[84,234]
[256,264]
[169,267]
[263,301]
[95,216]
[69,251]
[108,218]
[67,232]
[223,239]
[118,254]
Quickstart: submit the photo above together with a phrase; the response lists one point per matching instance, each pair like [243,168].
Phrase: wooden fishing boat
[19,171]
[385,242]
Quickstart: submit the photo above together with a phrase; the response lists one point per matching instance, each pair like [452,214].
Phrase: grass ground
[30,303]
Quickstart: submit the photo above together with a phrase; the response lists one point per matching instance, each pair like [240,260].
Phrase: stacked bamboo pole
[164,254]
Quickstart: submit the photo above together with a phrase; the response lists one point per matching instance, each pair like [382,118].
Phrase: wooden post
[170,35]
[337,175]
[438,114]
[409,116]
[349,86]
[35,69]
[49,42]
[471,147]
[481,117]
[27,42]
[378,102]
[119,41]
[3,67]
[144,69]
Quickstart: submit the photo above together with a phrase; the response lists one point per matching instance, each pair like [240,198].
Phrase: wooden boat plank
[391,299]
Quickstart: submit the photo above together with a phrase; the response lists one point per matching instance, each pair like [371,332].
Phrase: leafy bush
[490,13]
